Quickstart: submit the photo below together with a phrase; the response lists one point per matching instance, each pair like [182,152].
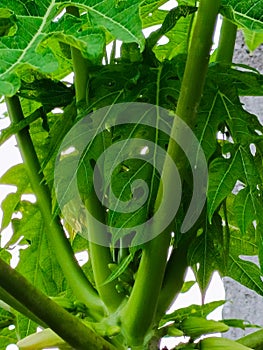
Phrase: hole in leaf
[57,18]
[144,150]
[227,155]
[164,40]
[29,197]
[68,151]
[57,110]
[253,149]
[238,187]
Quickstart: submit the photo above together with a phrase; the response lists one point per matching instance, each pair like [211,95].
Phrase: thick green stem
[80,66]
[173,280]
[197,61]
[138,315]
[226,43]
[67,326]
[189,99]
[16,305]
[144,296]
[100,255]
[64,254]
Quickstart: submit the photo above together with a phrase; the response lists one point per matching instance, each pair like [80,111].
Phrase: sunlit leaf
[36,26]
[192,310]
[247,14]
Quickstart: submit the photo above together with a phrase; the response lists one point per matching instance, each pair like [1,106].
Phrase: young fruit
[221,343]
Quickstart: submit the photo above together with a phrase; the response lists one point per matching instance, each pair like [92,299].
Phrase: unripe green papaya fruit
[215,343]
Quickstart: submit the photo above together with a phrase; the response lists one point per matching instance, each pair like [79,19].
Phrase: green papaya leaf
[223,174]
[37,27]
[252,39]
[17,176]
[192,310]
[243,13]
[7,337]
[6,318]
[237,323]
[245,272]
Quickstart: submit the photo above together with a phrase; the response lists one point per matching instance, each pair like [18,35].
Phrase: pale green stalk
[145,293]
[77,280]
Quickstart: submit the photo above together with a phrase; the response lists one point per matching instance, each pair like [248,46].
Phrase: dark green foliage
[38,51]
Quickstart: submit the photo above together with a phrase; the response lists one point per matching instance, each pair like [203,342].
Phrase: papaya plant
[147,162]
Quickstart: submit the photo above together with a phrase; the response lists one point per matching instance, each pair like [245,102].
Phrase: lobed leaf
[246,14]
[17,176]
[31,46]
[246,273]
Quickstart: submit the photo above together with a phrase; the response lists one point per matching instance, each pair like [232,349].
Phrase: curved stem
[197,60]
[173,280]
[80,66]
[138,315]
[67,326]
[100,255]
[226,43]
[64,254]
[144,296]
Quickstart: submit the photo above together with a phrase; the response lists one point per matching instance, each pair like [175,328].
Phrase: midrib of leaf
[99,100]
[223,97]
[158,89]
[242,240]
[250,185]
[31,43]
[249,18]
[203,256]
[92,9]
[244,18]
[117,157]
[204,261]
[125,186]
[81,136]
[131,216]
[223,180]
[235,261]
[243,162]
[206,125]
[244,210]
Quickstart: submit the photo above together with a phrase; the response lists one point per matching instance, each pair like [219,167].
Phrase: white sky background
[9,156]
